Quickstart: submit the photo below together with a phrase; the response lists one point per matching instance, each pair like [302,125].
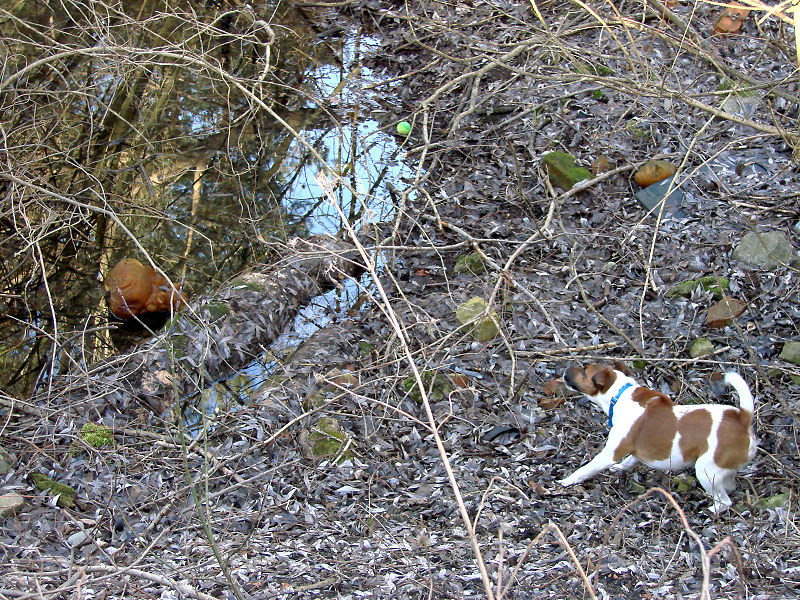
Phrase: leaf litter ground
[489,89]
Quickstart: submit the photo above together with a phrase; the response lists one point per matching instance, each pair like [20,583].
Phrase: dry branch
[216,336]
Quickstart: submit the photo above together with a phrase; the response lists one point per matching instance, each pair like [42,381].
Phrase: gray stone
[765,250]
[653,195]
[791,352]
[6,461]
[483,329]
[78,538]
[701,347]
[10,504]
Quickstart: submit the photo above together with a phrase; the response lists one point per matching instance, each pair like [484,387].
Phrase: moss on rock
[328,439]
[437,387]
[483,329]
[469,264]
[716,285]
[562,171]
[66,494]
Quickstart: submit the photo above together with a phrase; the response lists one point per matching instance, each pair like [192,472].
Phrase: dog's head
[595,379]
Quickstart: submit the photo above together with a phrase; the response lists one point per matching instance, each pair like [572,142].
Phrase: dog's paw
[567,481]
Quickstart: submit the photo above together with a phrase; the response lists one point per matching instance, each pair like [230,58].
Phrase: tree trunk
[213,337]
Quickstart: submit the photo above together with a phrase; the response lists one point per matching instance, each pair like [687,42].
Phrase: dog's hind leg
[625,465]
[713,479]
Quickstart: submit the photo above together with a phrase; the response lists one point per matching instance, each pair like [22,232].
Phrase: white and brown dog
[646,426]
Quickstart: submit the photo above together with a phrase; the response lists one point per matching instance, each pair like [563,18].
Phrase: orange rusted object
[653,171]
[731,20]
[135,289]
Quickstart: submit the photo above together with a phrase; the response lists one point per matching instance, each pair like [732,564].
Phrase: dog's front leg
[602,461]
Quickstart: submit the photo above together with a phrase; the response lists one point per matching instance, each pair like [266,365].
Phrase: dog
[645,426]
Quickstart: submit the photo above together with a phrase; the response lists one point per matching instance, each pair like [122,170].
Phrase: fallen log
[212,338]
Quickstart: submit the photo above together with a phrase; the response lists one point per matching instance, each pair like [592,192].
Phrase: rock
[66,495]
[483,329]
[724,312]
[601,164]
[10,504]
[77,538]
[731,20]
[553,391]
[136,289]
[710,283]
[767,250]
[6,461]
[701,347]
[653,171]
[562,171]
[652,196]
[436,386]
[469,264]
[551,403]
[328,439]
[775,501]
[791,352]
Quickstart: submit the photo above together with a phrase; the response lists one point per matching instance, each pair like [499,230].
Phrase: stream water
[365,153]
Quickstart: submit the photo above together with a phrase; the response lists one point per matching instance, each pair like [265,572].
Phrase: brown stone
[552,403]
[135,289]
[731,20]
[554,387]
[724,312]
[460,380]
[601,164]
[653,171]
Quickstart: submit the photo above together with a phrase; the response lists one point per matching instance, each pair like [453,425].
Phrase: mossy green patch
[95,435]
[639,133]
[66,495]
[701,347]
[590,68]
[483,329]
[774,501]
[684,483]
[250,285]
[437,387]
[217,310]
[562,171]
[179,344]
[328,439]
[791,352]
[469,264]
[716,285]
[314,400]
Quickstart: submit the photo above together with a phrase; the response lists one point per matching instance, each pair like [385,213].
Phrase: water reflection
[360,151]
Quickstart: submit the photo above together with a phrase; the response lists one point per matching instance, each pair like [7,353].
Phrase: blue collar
[614,400]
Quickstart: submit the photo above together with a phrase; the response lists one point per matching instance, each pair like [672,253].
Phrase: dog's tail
[745,397]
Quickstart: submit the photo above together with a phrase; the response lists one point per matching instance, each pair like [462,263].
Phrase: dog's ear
[622,367]
[603,380]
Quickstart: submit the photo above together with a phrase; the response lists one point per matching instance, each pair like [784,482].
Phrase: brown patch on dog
[644,395]
[604,379]
[622,368]
[694,428]
[651,436]
[733,439]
